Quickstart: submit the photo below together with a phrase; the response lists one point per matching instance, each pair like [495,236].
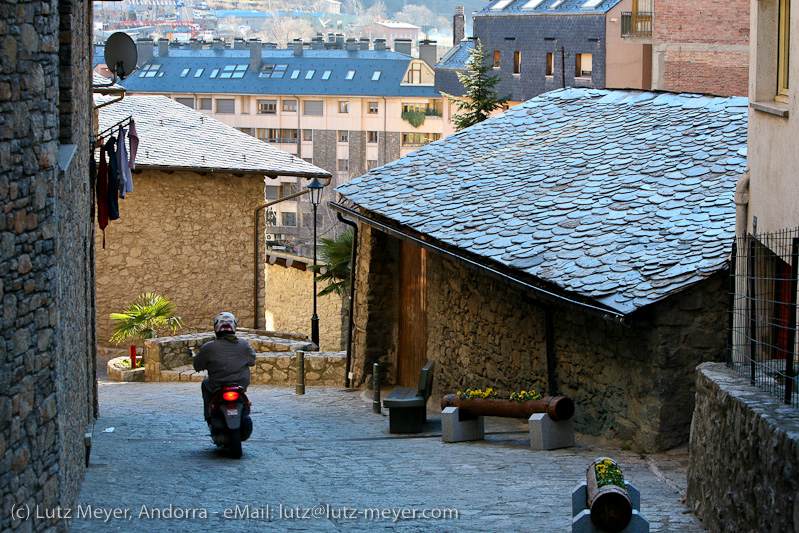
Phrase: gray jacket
[226,362]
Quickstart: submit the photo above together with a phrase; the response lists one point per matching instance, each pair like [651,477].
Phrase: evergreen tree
[480,98]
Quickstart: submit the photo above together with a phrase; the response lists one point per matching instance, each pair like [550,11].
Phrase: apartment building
[345,107]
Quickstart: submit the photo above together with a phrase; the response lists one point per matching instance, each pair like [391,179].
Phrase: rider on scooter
[228,359]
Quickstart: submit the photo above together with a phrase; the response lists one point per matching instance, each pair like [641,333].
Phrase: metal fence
[763,323]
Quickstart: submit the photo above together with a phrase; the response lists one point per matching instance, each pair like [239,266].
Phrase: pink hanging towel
[133,140]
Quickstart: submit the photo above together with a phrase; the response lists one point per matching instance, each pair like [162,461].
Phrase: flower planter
[116,372]
[611,508]
[557,407]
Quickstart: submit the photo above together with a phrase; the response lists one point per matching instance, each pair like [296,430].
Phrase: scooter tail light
[230,396]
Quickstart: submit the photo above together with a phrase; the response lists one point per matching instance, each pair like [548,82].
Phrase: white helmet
[225,323]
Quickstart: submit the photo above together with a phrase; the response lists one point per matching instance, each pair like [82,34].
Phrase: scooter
[230,423]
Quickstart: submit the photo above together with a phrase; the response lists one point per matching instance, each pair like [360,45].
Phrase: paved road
[326,453]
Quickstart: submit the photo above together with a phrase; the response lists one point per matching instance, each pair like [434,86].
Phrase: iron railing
[763,321]
[636,24]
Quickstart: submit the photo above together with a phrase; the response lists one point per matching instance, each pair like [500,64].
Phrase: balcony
[636,24]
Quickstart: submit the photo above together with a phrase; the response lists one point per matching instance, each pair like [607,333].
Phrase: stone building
[577,244]
[744,450]
[340,106]
[186,231]
[47,384]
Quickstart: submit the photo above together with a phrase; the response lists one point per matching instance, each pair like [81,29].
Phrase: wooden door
[412,342]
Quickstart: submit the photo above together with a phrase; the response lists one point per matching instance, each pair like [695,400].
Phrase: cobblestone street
[325,451]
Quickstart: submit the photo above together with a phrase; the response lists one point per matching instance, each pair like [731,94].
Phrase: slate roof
[566,7]
[622,197]
[364,62]
[101,83]
[173,136]
[457,57]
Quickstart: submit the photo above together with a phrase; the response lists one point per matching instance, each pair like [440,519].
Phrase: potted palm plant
[144,318]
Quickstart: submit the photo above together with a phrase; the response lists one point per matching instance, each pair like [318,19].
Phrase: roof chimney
[163,47]
[239,44]
[458,25]
[380,45]
[403,46]
[339,41]
[317,43]
[144,50]
[352,45]
[297,47]
[364,42]
[428,52]
[255,55]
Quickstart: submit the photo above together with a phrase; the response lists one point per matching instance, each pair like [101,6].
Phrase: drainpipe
[255,243]
[385,132]
[742,205]
[352,296]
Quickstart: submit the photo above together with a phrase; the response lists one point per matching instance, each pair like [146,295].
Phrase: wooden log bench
[407,407]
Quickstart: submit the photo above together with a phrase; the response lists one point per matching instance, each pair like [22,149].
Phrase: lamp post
[315,195]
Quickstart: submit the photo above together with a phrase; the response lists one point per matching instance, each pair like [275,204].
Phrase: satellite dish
[120,55]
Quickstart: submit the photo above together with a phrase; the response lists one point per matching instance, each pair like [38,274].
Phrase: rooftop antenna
[120,55]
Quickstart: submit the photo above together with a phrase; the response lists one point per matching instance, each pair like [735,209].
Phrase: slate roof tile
[173,136]
[624,237]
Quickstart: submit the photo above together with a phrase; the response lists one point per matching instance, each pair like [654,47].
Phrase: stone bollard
[300,372]
[376,388]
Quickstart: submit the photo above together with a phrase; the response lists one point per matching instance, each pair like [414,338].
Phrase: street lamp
[315,195]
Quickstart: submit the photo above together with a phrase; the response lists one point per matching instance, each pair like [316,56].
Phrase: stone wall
[46,332]
[166,359]
[187,237]
[743,473]
[289,304]
[631,383]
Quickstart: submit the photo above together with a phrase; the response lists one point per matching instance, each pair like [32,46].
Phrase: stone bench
[407,407]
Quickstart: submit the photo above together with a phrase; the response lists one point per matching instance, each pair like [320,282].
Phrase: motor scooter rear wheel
[234,444]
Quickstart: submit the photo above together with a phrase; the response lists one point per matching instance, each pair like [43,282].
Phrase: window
[288,219]
[371,136]
[517,62]
[239,72]
[206,104]
[188,102]
[327,74]
[371,163]
[532,4]
[149,71]
[550,64]
[225,105]
[556,4]
[295,74]
[290,106]
[307,219]
[227,71]
[372,108]
[350,75]
[343,165]
[582,67]
[185,72]
[267,107]
[419,139]
[214,73]
[287,189]
[266,70]
[591,4]
[199,72]
[343,136]
[307,135]
[344,107]
[314,108]
[496,58]
[502,4]
[309,74]
[268,135]
[272,192]
[414,73]
[287,135]
[308,160]
[279,71]
[376,75]
[248,131]
[784,48]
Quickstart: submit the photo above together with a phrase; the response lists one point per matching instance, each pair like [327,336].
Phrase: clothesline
[109,131]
